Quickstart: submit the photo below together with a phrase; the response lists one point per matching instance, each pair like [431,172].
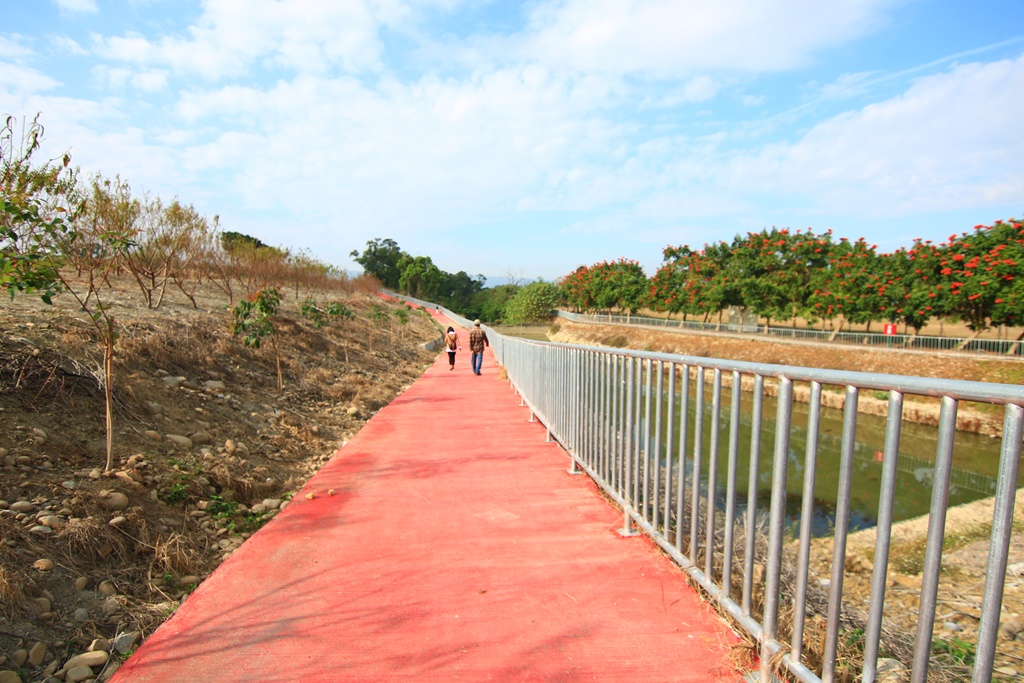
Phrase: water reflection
[975,463]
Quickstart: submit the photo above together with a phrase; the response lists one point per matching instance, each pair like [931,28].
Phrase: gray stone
[107,588]
[201,438]
[116,500]
[40,530]
[77,674]
[22,506]
[891,671]
[36,654]
[1009,628]
[70,484]
[271,503]
[99,645]
[52,521]
[124,642]
[173,381]
[81,614]
[179,440]
[214,385]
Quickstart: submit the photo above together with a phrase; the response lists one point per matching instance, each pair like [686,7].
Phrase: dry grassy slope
[249,443]
[974,418]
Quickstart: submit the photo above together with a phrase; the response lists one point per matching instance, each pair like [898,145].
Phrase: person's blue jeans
[477,361]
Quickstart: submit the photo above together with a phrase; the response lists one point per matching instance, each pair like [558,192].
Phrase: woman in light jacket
[451,344]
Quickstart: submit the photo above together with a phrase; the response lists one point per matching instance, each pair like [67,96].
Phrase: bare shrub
[92,538]
[176,553]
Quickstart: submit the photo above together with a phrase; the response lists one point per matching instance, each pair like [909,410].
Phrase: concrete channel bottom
[455,547]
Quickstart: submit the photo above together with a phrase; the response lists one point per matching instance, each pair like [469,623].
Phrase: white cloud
[83,6]
[673,37]
[847,85]
[68,46]
[233,37]
[12,46]
[952,140]
[150,81]
[22,79]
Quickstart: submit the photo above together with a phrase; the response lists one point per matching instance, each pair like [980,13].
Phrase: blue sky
[529,138]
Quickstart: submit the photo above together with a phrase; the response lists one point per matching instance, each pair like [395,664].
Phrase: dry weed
[93,539]
[177,554]
[10,593]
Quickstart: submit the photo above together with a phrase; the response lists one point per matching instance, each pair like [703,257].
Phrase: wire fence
[1005,347]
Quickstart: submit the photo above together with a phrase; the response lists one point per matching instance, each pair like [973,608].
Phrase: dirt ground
[206,449]
[967,527]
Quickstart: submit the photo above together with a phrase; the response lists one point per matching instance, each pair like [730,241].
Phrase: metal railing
[625,418]
[1006,347]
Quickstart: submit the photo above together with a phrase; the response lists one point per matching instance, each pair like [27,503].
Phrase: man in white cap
[477,342]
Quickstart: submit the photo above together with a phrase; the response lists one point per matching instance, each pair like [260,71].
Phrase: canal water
[975,463]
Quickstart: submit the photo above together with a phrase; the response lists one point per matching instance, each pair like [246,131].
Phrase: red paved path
[456,548]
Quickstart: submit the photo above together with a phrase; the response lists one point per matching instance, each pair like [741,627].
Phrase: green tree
[381,259]
[254,321]
[420,278]
[577,289]
[983,269]
[490,304]
[33,212]
[532,303]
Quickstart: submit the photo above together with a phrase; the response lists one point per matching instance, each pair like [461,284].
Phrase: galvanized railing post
[627,460]
[883,533]
[806,521]
[936,532]
[776,524]
[999,547]
[698,448]
[754,472]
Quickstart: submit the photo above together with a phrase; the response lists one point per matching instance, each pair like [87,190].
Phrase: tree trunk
[108,389]
[838,329]
[965,342]
[1012,351]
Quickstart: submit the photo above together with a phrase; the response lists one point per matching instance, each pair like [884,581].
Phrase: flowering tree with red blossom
[983,269]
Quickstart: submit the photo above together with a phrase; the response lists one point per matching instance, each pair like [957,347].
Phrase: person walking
[477,342]
[451,344]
